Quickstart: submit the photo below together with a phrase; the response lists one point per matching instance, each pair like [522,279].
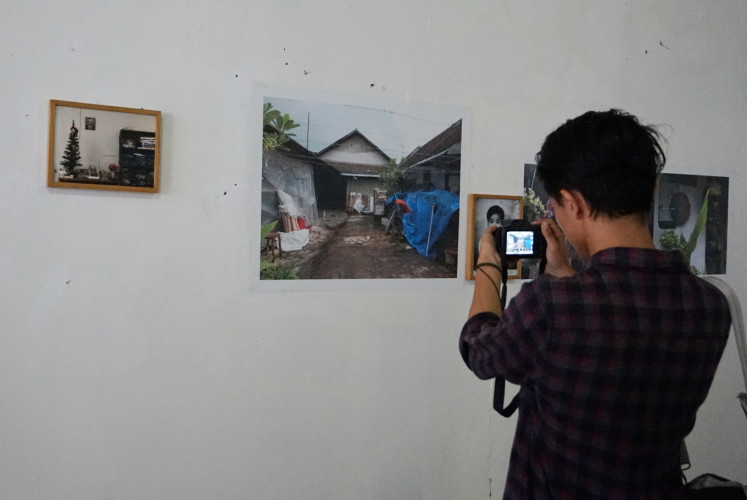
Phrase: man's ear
[575,203]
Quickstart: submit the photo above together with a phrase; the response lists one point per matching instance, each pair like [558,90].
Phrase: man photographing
[614,360]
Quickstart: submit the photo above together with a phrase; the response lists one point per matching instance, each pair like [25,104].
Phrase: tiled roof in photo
[356,168]
[438,145]
[350,135]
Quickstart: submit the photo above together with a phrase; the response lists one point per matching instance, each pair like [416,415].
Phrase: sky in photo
[397,129]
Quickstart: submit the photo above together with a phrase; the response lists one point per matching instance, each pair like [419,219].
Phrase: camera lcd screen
[519,242]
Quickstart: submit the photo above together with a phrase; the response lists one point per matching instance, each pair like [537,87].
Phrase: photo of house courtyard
[354,192]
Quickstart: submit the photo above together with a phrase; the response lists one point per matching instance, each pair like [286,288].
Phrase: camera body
[518,238]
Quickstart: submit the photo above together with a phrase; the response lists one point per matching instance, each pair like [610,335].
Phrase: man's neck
[607,232]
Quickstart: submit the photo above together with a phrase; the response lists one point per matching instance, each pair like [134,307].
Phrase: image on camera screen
[519,242]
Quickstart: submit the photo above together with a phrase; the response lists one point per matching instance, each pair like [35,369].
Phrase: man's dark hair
[608,157]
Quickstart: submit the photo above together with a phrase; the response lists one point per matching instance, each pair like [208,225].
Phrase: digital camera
[518,238]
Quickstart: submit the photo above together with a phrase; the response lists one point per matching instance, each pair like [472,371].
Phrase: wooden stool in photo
[273,243]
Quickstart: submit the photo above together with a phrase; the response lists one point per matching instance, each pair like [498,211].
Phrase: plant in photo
[534,209]
[71,156]
[269,270]
[669,240]
[277,272]
[392,177]
[275,127]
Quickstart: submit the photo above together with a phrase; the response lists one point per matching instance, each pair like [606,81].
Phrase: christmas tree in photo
[71,156]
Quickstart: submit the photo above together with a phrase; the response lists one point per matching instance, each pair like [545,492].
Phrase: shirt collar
[645,258]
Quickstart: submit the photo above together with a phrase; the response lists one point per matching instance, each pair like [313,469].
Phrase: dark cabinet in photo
[137,157]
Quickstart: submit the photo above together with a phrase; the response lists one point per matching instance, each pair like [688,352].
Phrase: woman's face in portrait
[495,215]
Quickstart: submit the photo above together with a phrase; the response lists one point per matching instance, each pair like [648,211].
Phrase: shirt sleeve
[510,345]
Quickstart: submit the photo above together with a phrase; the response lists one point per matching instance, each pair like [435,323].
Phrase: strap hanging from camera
[536,248]
[499,388]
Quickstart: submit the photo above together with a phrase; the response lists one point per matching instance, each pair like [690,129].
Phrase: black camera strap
[499,389]
[498,395]
[500,383]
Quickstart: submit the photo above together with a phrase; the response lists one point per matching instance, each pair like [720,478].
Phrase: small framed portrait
[92,146]
[485,210]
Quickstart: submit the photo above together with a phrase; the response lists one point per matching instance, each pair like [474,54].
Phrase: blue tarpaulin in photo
[430,214]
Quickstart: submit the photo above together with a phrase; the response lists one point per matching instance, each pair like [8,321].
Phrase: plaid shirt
[613,364]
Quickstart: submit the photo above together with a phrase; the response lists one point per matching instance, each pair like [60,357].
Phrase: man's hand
[557,258]
[488,250]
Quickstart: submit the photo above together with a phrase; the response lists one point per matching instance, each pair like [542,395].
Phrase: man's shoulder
[642,258]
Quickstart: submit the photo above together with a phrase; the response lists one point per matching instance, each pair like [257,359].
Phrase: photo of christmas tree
[93,146]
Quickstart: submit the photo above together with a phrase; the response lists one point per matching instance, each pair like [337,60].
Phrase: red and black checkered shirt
[613,364]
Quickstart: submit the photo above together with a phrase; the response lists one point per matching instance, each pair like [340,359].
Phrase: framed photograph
[485,209]
[92,146]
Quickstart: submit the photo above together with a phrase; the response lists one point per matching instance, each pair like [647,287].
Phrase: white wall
[136,358]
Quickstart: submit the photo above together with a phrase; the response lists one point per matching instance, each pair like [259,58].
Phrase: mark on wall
[46,301]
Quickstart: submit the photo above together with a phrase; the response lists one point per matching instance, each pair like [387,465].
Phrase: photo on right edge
[690,214]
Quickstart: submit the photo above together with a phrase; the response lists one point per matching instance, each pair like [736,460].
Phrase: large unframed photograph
[354,191]
[691,214]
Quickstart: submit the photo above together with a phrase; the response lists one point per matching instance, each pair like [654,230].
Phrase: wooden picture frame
[118,150]
[480,210]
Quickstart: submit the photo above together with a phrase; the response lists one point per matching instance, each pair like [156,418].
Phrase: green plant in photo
[534,209]
[392,177]
[71,156]
[275,127]
[669,240]
[267,229]
[270,271]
